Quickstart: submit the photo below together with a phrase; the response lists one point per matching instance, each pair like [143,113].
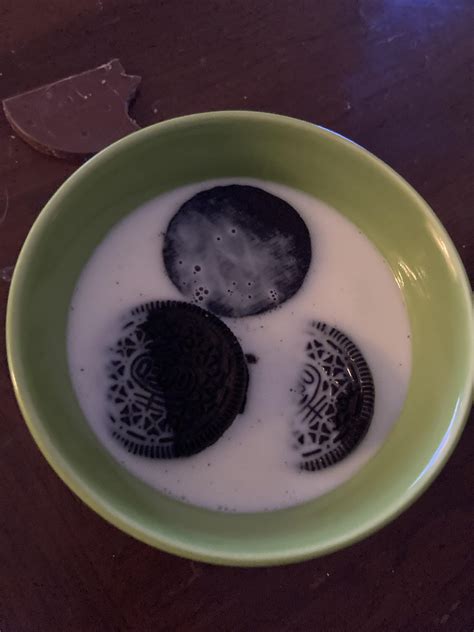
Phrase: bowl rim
[102,505]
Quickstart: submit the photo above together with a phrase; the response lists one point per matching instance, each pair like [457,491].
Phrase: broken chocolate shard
[76,116]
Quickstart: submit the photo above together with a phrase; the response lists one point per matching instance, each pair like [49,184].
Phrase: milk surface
[253,466]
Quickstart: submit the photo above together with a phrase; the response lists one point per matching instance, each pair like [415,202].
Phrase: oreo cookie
[335,399]
[237,250]
[177,380]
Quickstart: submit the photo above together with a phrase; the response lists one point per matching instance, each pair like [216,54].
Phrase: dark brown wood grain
[394,75]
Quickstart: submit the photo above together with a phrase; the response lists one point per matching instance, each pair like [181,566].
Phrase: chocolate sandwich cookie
[177,380]
[237,250]
[335,398]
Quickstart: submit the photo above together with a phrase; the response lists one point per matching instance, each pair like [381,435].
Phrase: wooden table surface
[395,76]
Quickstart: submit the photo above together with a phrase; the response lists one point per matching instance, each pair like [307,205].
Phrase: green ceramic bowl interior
[369,193]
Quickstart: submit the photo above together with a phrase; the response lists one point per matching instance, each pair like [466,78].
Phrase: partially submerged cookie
[78,115]
[237,250]
[177,380]
[335,398]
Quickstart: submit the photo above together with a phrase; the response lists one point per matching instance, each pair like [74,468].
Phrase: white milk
[252,466]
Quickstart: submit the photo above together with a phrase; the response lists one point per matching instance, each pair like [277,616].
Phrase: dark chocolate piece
[78,115]
[237,250]
[177,380]
[335,399]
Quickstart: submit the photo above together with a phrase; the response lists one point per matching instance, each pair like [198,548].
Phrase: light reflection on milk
[252,466]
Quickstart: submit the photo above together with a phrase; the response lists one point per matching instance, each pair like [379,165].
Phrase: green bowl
[245,144]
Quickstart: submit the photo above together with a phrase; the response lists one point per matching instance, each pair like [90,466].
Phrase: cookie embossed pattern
[336,398]
[178,378]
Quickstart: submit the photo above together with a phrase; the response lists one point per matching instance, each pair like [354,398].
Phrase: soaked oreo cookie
[177,380]
[237,250]
[335,399]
